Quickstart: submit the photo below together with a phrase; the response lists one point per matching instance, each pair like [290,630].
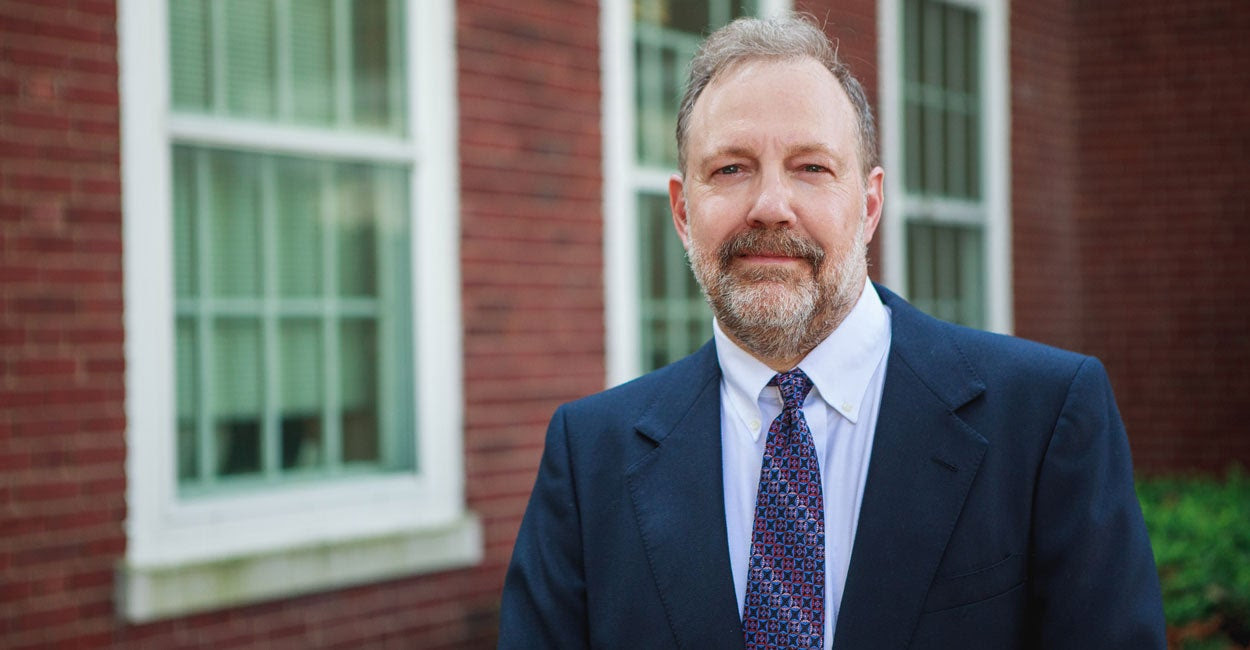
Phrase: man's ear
[677,204]
[874,201]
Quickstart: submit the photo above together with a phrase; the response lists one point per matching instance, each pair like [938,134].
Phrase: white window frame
[995,154]
[624,178]
[188,555]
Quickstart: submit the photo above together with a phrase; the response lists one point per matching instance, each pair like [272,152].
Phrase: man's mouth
[768,257]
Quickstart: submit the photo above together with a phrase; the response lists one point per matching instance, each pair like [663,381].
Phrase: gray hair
[789,36]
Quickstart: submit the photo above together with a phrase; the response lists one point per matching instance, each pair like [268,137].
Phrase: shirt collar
[840,367]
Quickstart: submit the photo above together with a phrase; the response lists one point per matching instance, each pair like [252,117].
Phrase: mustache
[778,242]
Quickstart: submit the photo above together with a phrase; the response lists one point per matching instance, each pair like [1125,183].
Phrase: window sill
[148,593]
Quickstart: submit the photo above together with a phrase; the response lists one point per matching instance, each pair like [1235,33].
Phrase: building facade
[289,289]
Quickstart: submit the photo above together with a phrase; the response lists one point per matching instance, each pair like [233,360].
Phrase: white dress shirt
[847,370]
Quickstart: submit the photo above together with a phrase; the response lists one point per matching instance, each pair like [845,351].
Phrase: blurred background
[289,288]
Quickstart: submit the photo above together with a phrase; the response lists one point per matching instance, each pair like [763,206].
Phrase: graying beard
[799,323]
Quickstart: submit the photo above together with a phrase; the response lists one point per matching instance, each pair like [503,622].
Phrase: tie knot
[794,387]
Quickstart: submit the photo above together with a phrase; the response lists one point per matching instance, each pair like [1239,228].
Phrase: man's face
[773,208]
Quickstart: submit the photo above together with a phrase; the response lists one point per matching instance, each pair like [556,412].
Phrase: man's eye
[729,169]
[816,169]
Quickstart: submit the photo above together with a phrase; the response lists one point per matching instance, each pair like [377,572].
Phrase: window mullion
[330,322]
[971,252]
[934,104]
[653,92]
[283,59]
[205,439]
[217,35]
[385,334]
[271,401]
[920,242]
[946,273]
[395,60]
[343,72]
[956,106]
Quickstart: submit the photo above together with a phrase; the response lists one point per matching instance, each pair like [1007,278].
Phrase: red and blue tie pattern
[785,595]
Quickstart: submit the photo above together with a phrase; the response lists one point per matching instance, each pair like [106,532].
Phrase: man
[834,466]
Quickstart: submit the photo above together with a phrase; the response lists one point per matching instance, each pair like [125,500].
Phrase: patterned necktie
[785,595]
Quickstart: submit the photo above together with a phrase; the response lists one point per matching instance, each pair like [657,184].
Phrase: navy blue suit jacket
[999,510]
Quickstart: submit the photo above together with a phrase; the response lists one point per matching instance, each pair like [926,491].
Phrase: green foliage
[1200,530]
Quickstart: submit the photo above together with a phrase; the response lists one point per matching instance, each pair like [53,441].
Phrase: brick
[1128,238]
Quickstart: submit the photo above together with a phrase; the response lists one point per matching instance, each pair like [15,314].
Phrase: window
[944,105]
[656,311]
[289,199]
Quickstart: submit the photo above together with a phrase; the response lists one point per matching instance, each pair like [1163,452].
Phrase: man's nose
[773,205]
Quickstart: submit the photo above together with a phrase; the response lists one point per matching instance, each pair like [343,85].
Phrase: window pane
[309,62]
[942,125]
[358,387]
[676,319]
[312,62]
[233,215]
[371,63]
[941,105]
[186,199]
[249,58]
[355,220]
[188,391]
[946,269]
[294,371]
[238,385]
[190,68]
[301,218]
[302,393]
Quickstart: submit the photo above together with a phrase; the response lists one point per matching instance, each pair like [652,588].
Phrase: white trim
[436,247]
[943,209]
[650,179]
[620,238]
[996,157]
[894,270]
[416,521]
[146,226]
[1000,310]
[294,140]
[155,592]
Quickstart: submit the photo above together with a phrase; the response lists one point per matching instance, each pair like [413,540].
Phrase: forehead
[793,101]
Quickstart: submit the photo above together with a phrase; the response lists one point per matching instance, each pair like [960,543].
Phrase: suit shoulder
[926,337]
[936,348]
[1015,352]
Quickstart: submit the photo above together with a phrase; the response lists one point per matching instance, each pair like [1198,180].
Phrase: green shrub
[1200,530]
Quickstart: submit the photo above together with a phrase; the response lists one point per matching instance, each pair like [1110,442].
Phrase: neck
[784,363]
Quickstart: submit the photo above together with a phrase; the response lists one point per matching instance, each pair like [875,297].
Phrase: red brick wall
[61,363]
[1164,95]
[533,312]
[1131,150]
[532,245]
[1046,278]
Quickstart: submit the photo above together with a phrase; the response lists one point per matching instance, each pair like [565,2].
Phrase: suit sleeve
[1094,579]
[544,595]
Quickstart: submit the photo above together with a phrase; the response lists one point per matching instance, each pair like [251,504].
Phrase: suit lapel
[678,499]
[924,458]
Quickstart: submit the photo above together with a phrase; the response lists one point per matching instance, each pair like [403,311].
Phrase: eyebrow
[815,148]
[730,151]
[745,152]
